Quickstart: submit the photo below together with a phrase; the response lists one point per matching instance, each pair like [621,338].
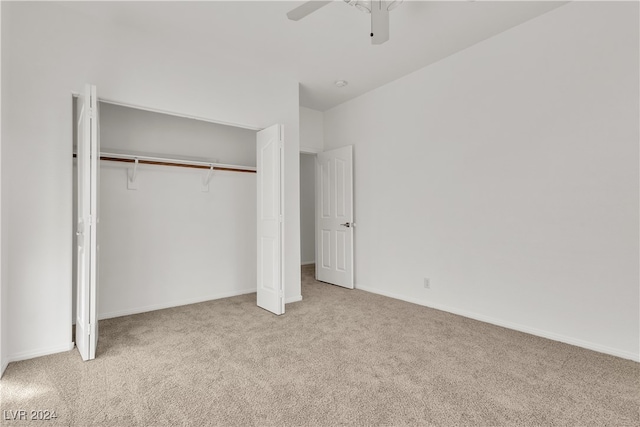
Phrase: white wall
[169,243]
[50,51]
[311,130]
[307,208]
[508,175]
[132,129]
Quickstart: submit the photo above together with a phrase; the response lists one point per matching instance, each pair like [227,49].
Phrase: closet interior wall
[168,242]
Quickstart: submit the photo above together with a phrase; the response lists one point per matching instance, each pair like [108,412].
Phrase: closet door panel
[88,163]
[270,292]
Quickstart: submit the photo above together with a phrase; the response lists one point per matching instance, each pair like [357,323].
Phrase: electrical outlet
[427,283]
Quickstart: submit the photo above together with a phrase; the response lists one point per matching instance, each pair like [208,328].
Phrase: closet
[178,214]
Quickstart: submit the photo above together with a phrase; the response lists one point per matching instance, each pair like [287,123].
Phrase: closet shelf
[165,161]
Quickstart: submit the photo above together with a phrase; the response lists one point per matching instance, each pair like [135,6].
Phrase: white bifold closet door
[334,217]
[270,219]
[88,162]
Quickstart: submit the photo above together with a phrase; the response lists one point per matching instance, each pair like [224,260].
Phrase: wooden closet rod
[173,162]
[182,165]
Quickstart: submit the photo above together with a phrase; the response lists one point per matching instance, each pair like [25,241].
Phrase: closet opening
[178,211]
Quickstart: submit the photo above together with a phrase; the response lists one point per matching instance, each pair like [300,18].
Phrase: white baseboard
[3,367]
[515,326]
[308,262]
[38,353]
[144,309]
[293,299]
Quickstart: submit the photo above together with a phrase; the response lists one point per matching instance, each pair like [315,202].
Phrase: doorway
[327,216]
[307,209]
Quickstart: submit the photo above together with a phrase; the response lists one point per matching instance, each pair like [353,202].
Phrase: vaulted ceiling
[331,44]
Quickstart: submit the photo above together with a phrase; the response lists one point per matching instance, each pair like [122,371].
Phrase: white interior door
[270,218]
[334,217]
[88,161]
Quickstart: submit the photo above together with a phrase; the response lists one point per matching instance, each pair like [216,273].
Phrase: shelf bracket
[132,174]
[207,179]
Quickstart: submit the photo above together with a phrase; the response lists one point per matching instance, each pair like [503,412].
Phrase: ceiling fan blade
[305,9]
[379,22]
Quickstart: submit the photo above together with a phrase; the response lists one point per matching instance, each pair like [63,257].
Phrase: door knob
[346,224]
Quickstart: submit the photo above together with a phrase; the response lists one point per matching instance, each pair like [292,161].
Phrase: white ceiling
[330,44]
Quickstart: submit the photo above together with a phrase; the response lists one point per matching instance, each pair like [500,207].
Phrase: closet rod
[161,161]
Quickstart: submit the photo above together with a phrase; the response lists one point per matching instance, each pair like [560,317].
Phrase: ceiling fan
[378,9]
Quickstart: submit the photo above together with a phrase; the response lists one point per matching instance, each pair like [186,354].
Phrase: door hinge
[89,329]
[91,112]
[281,293]
[281,218]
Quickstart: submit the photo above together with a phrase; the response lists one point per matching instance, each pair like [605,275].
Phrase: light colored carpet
[337,357]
